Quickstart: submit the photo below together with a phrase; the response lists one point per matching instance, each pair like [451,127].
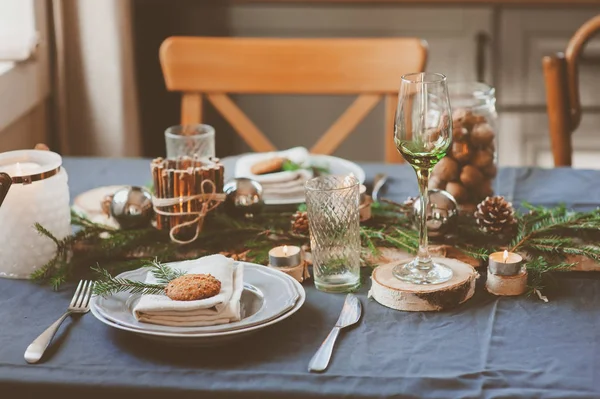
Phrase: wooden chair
[561,75]
[213,67]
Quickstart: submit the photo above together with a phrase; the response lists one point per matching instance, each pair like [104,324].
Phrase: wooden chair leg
[557,103]
[241,123]
[345,124]
[191,108]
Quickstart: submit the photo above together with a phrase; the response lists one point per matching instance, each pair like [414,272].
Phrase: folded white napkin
[220,309]
[287,184]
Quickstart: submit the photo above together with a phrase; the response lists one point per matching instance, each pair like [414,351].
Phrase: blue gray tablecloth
[489,347]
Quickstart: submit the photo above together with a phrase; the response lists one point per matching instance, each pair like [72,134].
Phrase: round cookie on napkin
[219,309]
[279,184]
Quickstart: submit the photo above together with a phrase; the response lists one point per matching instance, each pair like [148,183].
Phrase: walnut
[490,171]
[431,135]
[459,115]
[458,191]
[482,135]
[484,190]
[459,133]
[447,169]
[482,159]
[471,176]
[436,183]
[467,118]
[461,151]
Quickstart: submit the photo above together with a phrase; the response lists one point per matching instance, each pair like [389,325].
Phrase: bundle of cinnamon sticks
[185,177]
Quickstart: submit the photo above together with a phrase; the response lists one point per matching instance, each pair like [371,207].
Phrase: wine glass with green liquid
[423,132]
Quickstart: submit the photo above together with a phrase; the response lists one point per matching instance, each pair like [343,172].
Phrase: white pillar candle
[39,194]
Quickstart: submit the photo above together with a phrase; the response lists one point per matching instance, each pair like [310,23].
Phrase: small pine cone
[495,215]
[300,223]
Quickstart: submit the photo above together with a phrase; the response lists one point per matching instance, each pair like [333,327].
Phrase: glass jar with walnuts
[469,168]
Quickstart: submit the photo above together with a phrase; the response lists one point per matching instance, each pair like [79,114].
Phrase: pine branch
[164,274]
[538,270]
[474,252]
[107,285]
[45,232]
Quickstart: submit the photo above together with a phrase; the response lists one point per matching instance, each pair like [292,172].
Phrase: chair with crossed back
[561,75]
[212,68]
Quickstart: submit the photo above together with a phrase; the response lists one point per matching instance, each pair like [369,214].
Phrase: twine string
[209,200]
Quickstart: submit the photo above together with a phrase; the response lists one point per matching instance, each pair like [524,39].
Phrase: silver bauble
[442,213]
[244,197]
[131,207]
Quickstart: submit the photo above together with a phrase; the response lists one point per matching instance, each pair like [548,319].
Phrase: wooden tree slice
[506,285]
[396,294]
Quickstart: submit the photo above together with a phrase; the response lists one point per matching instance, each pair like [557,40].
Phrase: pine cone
[300,223]
[495,215]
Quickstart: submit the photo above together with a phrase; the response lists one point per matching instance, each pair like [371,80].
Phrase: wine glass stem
[423,257]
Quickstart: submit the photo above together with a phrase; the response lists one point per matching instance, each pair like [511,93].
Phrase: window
[24,77]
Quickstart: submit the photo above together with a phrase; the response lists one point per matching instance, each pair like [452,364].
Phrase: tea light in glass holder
[35,190]
[285,256]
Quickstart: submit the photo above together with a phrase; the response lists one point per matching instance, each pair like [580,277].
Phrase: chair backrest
[561,75]
[213,67]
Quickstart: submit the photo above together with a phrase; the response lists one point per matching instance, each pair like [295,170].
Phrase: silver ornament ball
[442,213]
[131,207]
[244,197]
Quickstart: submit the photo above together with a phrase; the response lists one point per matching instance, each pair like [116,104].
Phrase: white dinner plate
[269,296]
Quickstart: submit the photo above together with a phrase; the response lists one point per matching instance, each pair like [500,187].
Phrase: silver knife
[349,316]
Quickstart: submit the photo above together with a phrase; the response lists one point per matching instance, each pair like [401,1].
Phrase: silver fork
[79,304]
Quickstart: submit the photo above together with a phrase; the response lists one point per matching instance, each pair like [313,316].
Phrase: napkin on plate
[279,185]
[220,309]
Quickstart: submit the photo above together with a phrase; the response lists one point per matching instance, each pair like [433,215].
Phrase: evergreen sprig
[538,271]
[164,274]
[557,233]
[550,235]
[107,285]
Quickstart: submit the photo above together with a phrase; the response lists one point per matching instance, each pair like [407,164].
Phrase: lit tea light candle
[285,256]
[505,263]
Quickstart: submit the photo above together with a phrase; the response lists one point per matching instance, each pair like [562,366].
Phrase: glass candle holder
[333,216]
[36,191]
[191,141]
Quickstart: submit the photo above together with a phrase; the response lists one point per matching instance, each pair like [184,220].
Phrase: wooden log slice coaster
[396,294]
[506,285]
